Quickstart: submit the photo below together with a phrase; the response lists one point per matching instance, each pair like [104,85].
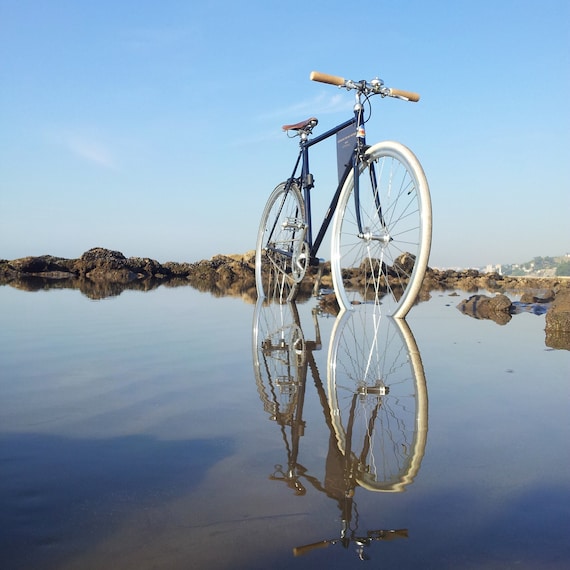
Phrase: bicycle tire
[378,399]
[387,262]
[281,254]
[279,355]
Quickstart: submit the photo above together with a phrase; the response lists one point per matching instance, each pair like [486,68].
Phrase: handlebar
[300,550]
[362,540]
[326,78]
[401,94]
[376,86]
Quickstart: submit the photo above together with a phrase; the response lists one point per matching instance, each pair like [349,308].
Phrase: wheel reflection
[377,395]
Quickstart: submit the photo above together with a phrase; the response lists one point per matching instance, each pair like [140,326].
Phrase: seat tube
[307,183]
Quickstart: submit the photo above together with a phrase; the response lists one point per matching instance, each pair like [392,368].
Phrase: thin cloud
[84,145]
[91,150]
[322,104]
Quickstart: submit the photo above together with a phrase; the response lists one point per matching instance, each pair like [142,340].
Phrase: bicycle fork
[360,159]
[365,233]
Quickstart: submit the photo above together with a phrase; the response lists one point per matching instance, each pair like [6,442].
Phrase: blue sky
[154,128]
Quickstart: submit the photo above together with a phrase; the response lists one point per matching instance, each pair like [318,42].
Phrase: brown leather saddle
[312,122]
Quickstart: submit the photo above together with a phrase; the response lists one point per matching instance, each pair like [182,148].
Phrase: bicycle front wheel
[377,394]
[281,255]
[382,231]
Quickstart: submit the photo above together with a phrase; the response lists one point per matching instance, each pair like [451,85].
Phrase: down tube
[330,212]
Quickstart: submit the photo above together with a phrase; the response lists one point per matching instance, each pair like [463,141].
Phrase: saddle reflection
[375,405]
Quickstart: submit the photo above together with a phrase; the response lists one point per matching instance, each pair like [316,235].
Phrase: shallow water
[142,431]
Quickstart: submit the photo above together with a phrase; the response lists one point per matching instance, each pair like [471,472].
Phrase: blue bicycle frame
[305,180]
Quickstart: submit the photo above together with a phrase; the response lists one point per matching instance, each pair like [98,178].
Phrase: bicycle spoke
[378,397]
[382,258]
[281,255]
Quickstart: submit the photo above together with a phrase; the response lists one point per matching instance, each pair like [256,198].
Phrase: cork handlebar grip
[409,95]
[326,78]
[300,550]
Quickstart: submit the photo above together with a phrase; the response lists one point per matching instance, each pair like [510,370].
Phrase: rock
[527,298]
[545,297]
[482,307]
[100,261]
[405,263]
[558,321]
[41,264]
[98,256]
[329,304]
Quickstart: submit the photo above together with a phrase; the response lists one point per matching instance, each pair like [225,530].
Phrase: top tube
[329,133]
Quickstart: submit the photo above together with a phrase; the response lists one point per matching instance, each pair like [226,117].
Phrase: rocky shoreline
[101,273]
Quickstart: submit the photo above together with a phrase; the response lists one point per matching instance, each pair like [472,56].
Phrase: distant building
[493,269]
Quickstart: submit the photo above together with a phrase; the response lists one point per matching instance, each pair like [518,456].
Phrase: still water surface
[169,430]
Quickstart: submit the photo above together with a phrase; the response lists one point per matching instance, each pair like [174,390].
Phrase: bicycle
[381,233]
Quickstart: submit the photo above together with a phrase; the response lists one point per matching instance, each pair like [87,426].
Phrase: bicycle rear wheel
[281,253]
[384,259]
[279,356]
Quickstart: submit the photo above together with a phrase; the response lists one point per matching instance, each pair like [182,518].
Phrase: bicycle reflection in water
[375,406]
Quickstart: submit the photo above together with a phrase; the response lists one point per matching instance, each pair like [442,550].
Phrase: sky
[154,128]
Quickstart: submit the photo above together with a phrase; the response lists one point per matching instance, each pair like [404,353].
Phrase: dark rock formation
[558,321]
[482,307]
[546,297]
[101,272]
[500,310]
